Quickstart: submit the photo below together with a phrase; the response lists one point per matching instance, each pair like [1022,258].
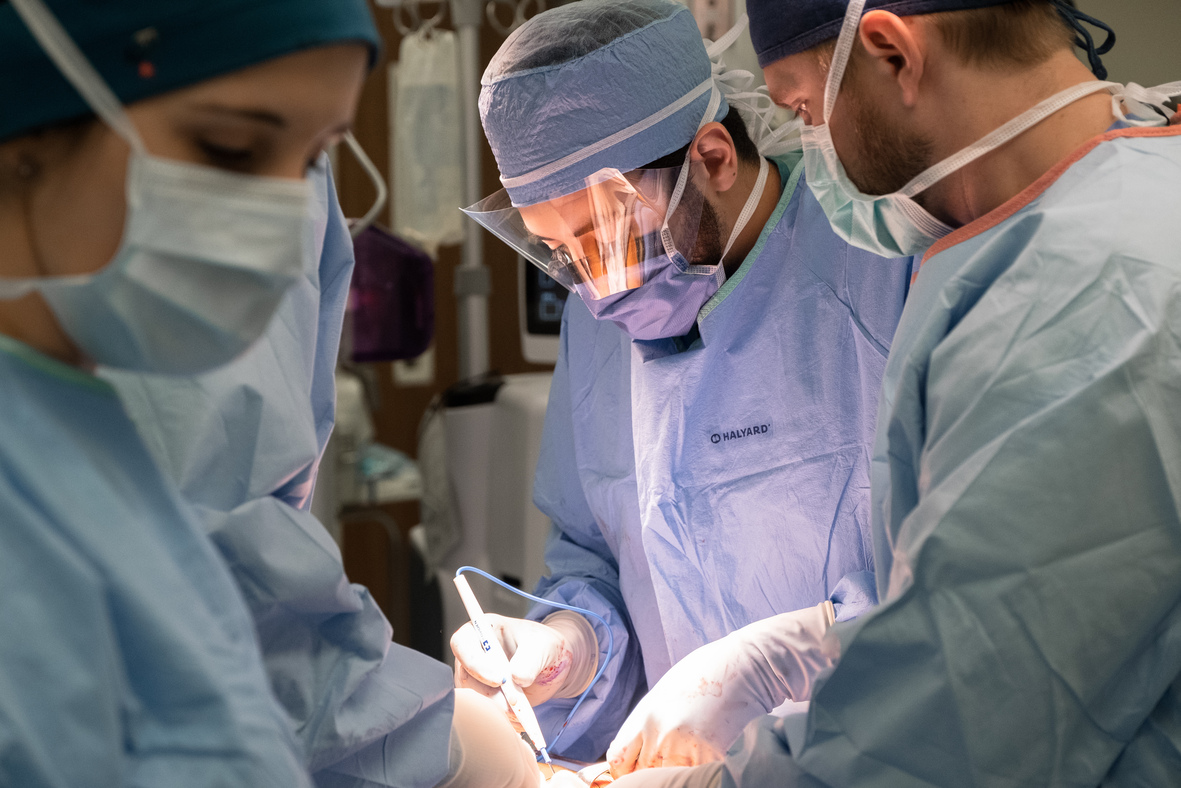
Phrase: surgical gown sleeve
[1032,633]
[244,443]
[583,570]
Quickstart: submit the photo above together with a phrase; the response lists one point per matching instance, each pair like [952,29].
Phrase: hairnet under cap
[779,28]
[575,75]
[181,41]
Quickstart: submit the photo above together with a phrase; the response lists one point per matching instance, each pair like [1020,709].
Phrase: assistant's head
[916,67]
[578,104]
[244,86]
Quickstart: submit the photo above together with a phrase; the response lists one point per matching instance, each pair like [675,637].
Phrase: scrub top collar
[67,373]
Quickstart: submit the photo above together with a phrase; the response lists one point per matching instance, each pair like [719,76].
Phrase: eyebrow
[259,115]
[780,97]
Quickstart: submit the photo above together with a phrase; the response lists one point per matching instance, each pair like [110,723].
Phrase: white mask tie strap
[1008,131]
[752,202]
[74,66]
[840,58]
[1139,99]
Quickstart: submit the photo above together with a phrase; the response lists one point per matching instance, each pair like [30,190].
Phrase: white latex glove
[485,750]
[556,658]
[709,776]
[697,709]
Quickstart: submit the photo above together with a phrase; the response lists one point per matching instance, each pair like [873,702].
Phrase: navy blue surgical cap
[780,28]
[143,48]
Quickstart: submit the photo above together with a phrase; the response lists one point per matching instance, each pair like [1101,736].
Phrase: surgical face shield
[611,236]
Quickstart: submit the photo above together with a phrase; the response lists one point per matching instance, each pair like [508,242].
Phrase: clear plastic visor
[611,236]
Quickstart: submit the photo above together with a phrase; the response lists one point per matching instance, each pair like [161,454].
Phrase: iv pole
[472,281]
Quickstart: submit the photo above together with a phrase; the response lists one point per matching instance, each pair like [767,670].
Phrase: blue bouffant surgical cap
[595,74]
[780,28]
[143,48]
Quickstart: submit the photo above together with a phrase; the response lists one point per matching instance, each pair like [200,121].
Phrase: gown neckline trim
[1007,210]
[791,176]
[51,366]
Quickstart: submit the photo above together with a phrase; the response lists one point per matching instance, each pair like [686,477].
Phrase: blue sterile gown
[1027,508]
[126,655]
[244,444]
[700,484]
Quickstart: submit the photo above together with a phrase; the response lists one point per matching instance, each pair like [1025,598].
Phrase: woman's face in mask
[62,196]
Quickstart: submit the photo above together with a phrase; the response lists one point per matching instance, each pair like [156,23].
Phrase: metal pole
[472,282]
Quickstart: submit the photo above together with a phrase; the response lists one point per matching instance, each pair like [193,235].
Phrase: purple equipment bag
[392,298]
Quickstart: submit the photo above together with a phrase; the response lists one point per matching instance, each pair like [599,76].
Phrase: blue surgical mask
[206,255]
[667,304]
[664,306]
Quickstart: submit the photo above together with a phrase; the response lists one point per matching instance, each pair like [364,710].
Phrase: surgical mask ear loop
[713,51]
[840,57]
[357,226]
[77,69]
[752,202]
[999,137]
[715,100]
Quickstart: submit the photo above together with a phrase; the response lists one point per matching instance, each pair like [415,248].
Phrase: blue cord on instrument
[562,606]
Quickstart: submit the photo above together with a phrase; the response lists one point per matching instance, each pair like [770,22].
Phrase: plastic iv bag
[428,152]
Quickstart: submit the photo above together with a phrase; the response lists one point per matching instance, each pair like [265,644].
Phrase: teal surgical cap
[143,48]
[593,76]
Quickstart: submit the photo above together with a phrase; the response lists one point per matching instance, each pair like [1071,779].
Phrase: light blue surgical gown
[244,443]
[126,655]
[700,484]
[1027,509]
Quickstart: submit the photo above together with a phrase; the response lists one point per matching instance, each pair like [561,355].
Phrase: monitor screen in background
[544,301]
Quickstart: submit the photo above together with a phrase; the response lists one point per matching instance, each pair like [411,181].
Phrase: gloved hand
[485,750]
[556,658]
[709,776]
[697,709]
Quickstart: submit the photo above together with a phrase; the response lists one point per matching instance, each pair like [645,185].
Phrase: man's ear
[897,51]
[713,147]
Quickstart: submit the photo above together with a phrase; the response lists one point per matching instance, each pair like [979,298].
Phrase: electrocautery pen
[491,646]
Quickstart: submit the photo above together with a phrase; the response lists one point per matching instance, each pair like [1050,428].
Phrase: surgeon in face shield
[1027,467]
[156,210]
[705,458]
